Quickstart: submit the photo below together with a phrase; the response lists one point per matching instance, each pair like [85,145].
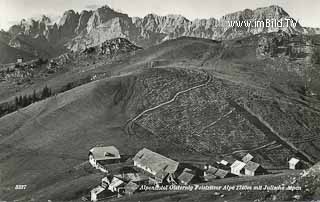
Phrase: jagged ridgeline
[76,31]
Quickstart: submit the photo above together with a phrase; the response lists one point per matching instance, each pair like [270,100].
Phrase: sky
[12,11]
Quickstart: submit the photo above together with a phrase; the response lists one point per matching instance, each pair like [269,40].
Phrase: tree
[20,101]
[25,101]
[46,92]
[34,96]
[16,102]
[30,99]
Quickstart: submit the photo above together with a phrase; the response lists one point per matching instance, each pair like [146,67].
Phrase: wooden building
[103,155]
[253,169]
[186,177]
[295,163]
[99,193]
[160,167]
[237,168]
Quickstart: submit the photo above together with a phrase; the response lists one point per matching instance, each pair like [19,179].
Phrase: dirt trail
[251,150]
[131,121]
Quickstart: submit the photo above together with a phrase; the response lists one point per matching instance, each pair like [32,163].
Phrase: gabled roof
[221,173]
[294,160]
[186,176]
[105,179]
[248,157]
[97,190]
[238,165]
[252,166]
[115,183]
[105,153]
[156,162]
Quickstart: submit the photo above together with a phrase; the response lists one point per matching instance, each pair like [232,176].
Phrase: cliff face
[90,28]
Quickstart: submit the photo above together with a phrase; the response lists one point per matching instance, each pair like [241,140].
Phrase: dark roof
[186,176]
[105,153]
[156,162]
[252,166]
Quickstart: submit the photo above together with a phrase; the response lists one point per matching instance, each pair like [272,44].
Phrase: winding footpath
[131,121]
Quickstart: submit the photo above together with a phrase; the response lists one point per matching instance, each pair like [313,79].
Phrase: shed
[159,166]
[237,168]
[295,163]
[209,174]
[186,176]
[19,59]
[248,157]
[131,188]
[99,193]
[103,155]
[252,169]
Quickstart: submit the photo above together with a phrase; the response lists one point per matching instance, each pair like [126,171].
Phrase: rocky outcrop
[113,47]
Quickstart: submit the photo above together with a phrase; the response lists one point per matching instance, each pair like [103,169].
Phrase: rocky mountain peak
[45,19]
[68,23]
[275,12]
[101,16]
[68,17]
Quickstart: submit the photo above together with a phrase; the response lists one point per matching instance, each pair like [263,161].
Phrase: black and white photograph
[159,100]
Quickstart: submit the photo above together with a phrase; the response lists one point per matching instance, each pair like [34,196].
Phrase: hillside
[186,98]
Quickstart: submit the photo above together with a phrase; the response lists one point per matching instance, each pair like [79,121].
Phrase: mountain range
[76,31]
